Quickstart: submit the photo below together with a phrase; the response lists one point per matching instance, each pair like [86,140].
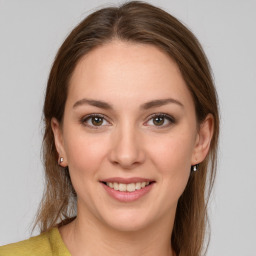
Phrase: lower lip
[127,196]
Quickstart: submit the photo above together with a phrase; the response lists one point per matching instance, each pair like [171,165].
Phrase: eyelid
[170,118]
[87,117]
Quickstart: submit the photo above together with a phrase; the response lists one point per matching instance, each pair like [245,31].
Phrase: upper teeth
[131,187]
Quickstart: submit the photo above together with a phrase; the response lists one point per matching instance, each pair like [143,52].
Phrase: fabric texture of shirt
[46,244]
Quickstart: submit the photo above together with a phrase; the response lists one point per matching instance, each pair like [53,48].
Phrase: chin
[128,221]
[128,225]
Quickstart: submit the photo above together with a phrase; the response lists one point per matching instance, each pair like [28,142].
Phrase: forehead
[123,71]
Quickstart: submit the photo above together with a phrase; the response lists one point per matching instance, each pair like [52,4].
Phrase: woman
[130,144]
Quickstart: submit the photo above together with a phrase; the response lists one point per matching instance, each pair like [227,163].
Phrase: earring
[194,167]
[61,160]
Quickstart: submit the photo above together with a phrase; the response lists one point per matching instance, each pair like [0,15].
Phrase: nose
[127,147]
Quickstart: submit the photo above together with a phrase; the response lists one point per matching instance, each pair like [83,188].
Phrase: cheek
[173,152]
[172,158]
[84,152]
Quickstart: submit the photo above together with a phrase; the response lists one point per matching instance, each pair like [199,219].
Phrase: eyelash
[170,119]
[167,117]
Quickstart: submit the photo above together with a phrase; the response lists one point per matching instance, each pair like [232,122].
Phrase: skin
[128,143]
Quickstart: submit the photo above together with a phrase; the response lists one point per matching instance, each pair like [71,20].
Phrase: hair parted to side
[142,23]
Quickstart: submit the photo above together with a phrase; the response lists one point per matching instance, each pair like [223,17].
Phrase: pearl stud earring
[194,167]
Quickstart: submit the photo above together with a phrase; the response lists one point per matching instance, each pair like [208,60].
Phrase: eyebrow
[159,103]
[145,106]
[96,103]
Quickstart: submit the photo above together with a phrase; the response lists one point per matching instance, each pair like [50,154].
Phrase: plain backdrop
[30,34]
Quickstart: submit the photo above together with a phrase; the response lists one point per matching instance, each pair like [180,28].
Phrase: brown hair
[140,23]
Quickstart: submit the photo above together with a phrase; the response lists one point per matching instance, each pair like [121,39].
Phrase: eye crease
[159,120]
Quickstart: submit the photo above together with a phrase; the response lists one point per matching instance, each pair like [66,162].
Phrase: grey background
[30,34]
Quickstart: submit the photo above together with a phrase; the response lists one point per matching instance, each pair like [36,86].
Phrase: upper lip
[126,180]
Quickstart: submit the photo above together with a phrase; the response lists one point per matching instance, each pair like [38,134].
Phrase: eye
[161,120]
[94,121]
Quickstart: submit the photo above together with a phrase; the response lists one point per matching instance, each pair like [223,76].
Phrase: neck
[87,236]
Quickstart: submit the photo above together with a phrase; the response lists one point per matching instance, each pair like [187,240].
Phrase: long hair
[141,23]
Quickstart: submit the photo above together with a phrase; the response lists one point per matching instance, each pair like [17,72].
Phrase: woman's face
[129,135]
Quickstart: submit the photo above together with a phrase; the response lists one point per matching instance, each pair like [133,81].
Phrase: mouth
[127,190]
[130,187]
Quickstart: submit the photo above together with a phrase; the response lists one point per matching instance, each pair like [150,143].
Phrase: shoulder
[37,245]
[48,243]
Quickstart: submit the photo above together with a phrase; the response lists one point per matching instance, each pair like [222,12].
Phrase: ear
[203,140]
[59,144]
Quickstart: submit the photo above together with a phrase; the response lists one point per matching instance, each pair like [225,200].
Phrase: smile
[127,190]
[131,187]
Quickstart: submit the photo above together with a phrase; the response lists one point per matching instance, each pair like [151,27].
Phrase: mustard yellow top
[47,244]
